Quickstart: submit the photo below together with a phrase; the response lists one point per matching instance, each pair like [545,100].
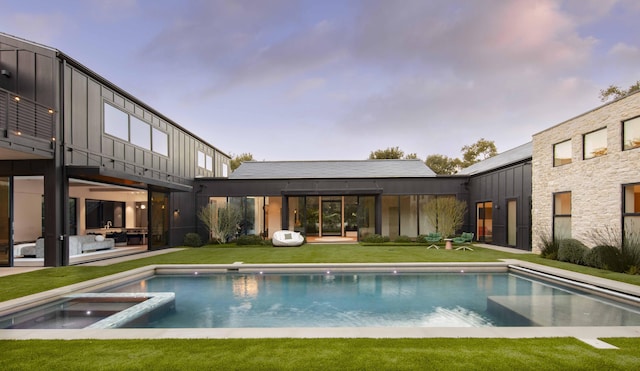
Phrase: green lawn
[312,354]
[319,354]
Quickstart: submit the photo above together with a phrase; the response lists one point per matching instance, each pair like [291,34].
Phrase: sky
[338,79]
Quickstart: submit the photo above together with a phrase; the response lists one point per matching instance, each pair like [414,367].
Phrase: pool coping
[587,334]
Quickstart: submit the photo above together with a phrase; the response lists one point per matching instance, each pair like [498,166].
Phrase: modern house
[80,155]
[587,174]
[386,197]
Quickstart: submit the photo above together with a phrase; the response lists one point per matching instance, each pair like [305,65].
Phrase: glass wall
[351,215]
[251,214]
[426,226]
[390,217]
[409,216]
[5,221]
[366,216]
[332,216]
[312,215]
[296,214]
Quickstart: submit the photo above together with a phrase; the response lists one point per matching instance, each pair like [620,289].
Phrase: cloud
[42,28]
[468,37]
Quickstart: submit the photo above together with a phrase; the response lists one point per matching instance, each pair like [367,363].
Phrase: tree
[222,223]
[391,153]
[480,150]
[441,164]
[446,213]
[236,161]
[615,92]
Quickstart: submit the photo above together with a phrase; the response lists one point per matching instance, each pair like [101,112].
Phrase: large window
[595,144]
[631,212]
[425,224]
[160,142]
[102,214]
[409,216]
[562,153]
[135,131]
[390,217]
[116,122]
[201,161]
[631,133]
[562,215]
[140,133]
[205,161]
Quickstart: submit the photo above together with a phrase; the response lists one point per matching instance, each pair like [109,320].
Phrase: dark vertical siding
[94,112]
[45,92]
[78,114]
[499,186]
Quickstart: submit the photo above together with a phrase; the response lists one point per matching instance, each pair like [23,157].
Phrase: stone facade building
[586,174]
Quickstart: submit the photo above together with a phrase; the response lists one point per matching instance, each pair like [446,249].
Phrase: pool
[411,300]
[383,299]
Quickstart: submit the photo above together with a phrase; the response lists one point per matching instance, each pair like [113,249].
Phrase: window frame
[557,215]
[140,133]
[556,162]
[148,143]
[159,146]
[111,127]
[625,147]
[624,200]
[598,151]
[629,218]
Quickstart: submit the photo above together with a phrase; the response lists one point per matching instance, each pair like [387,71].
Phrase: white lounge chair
[287,238]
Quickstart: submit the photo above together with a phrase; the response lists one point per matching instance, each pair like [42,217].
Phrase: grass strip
[319,354]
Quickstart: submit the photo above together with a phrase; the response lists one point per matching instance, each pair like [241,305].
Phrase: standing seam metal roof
[332,169]
[511,156]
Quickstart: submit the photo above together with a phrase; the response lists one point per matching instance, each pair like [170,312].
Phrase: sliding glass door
[484,221]
[332,216]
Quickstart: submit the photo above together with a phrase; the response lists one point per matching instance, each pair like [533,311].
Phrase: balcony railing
[20,116]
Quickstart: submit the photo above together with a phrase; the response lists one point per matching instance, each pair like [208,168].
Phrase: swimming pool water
[246,300]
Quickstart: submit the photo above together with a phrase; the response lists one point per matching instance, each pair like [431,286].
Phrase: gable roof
[332,169]
[512,156]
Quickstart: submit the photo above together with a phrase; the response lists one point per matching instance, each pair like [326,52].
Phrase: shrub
[549,248]
[421,238]
[572,251]
[251,239]
[192,240]
[605,257]
[375,238]
[403,239]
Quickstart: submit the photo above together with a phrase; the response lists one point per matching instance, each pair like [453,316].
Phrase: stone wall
[595,184]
